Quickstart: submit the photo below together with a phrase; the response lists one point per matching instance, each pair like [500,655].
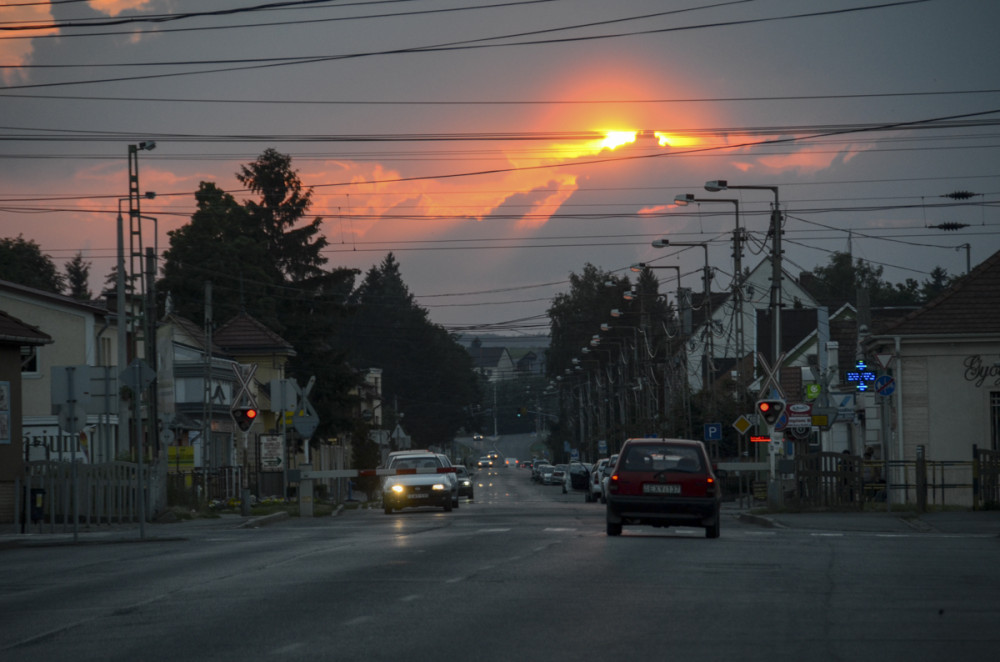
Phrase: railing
[198,487]
[57,494]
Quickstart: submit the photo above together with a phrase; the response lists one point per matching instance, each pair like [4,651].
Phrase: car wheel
[388,509]
[454,504]
[714,530]
[447,506]
[470,496]
[564,489]
[614,529]
[588,497]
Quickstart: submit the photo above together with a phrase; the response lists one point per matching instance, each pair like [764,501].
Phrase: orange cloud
[116,7]
[18,51]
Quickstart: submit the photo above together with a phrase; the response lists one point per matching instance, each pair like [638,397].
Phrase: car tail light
[613,483]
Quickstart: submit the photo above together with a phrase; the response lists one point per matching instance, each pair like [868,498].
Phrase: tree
[22,262]
[839,281]
[427,376]
[262,260]
[294,251]
[77,274]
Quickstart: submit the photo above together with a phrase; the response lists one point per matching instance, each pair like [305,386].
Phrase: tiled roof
[243,334]
[15,332]
[969,307]
[193,331]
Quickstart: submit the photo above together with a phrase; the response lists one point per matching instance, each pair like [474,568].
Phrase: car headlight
[466,482]
[439,486]
[398,489]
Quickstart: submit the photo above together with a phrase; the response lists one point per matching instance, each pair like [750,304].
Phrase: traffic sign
[742,424]
[713,431]
[885,385]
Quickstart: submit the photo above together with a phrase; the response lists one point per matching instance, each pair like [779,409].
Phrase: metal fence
[198,487]
[53,495]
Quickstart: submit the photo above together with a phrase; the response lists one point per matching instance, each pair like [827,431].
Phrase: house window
[105,358]
[29,360]
[995,420]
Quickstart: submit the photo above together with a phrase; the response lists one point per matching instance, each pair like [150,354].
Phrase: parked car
[579,475]
[594,490]
[556,476]
[427,487]
[663,482]
[545,473]
[536,470]
[608,468]
[465,487]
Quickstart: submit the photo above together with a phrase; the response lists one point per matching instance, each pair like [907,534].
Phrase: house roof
[93,307]
[245,335]
[487,357]
[192,331]
[15,332]
[968,307]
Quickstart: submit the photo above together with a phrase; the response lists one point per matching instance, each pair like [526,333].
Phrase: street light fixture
[685,199]
[706,304]
[724,185]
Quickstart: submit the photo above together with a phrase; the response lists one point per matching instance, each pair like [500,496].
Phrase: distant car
[608,468]
[594,490]
[465,487]
[484,463]
[427,487]
[545,474]
[579,475]
[536,470]
[477,437]
[556,476]
[663,482]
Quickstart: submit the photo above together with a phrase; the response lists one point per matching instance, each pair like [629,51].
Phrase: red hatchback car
[663,482]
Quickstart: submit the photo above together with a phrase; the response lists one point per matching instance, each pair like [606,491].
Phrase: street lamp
[706,304]
[723,185]
[685,199]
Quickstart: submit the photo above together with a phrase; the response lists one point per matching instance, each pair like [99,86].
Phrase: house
[82,334]
[944,364]
[15,336]
[731,333]
[493,363]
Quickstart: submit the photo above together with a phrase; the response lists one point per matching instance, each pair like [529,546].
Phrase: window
[995,420]
[29,360]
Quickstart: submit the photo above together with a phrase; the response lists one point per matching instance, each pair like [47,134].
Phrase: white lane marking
[290,648]
[827,535]
[493,530]
[410,598]
[357,621]
[558,529]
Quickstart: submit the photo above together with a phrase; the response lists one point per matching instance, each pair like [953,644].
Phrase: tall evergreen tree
[426,374]
[22,262]
[77,274]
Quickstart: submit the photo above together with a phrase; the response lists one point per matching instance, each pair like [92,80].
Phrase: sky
[496,147]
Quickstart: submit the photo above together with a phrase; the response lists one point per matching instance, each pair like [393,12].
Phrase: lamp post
[686,199]
[135,231]
[724,185]
[707,304]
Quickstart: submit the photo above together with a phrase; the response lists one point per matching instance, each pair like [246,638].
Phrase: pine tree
[77,275]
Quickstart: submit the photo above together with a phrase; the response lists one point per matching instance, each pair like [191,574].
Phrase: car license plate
[657,488]
[419,496]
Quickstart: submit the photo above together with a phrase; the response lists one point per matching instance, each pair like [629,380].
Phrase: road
[523,572]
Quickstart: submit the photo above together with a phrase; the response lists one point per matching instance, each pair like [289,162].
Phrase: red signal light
[251,413]
[764,406]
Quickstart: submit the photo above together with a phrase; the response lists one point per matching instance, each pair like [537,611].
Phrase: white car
[417,458]
[605,475]
[594,489]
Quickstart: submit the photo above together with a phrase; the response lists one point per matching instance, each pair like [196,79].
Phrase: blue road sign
[713,431]
[885,385]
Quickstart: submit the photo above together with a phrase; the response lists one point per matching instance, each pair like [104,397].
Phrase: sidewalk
[964,522]
[128,532]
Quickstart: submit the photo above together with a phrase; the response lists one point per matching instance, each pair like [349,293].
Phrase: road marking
[827,535]
[558,529]
[493,530]
[358,621]
[410,598]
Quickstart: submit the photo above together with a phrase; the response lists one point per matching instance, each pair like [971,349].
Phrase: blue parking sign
[713,431]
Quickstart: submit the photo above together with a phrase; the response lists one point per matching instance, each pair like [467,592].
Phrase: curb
[760,520]
[264,520]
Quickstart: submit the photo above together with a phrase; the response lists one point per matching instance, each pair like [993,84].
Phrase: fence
[836,480]
[193,488]
[55,494]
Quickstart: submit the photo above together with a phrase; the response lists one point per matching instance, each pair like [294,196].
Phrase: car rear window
[415,463]
[663,457]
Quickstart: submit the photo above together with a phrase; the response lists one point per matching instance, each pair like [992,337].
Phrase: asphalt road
[521,573]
